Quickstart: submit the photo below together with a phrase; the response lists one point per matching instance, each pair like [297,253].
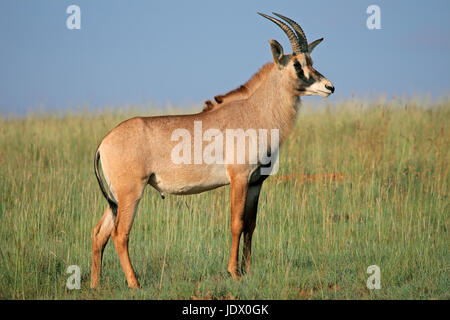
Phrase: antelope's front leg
[238,196]
[251,208]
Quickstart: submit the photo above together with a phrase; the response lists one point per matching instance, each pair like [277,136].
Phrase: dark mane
[241,92]
[208,106]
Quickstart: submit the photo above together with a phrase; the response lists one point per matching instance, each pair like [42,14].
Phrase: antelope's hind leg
[128,200]
[100,236]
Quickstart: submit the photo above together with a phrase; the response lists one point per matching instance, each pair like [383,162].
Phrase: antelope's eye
[298,69]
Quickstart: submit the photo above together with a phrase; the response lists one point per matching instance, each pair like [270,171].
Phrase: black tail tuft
[111,202]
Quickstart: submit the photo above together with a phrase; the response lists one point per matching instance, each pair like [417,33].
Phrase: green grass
[314,238]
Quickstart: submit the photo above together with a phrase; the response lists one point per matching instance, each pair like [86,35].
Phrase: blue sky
[184,52]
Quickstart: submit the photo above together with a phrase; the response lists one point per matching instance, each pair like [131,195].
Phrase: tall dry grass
[359,184]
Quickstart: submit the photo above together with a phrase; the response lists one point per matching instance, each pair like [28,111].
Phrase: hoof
[236,275]
[134,285]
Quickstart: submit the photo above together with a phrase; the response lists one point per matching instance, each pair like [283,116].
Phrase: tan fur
[138,152]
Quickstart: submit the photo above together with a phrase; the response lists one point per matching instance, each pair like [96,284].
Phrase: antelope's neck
[277,103]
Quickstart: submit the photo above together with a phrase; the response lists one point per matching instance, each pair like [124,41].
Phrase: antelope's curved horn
[298,30]
[290,34]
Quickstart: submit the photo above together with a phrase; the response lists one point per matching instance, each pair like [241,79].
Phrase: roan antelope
[137,152]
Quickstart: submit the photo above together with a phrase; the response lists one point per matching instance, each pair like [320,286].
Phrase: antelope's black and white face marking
[311,82]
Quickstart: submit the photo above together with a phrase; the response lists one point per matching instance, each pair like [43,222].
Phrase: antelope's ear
[277,51]
[313,44]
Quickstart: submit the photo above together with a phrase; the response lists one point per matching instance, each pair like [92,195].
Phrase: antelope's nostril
[331,88]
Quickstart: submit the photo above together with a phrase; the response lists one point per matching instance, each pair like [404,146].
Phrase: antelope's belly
[190,179]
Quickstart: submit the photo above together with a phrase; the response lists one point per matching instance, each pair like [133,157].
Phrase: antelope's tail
[112,203]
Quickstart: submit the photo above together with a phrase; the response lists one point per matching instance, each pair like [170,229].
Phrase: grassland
[359,184]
